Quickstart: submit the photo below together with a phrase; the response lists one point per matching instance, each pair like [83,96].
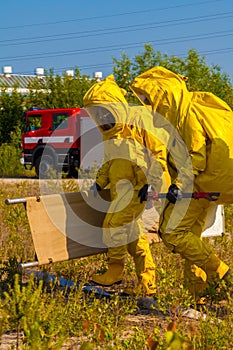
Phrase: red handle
[210,196]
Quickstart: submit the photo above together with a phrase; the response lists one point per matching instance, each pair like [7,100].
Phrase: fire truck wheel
[45,167]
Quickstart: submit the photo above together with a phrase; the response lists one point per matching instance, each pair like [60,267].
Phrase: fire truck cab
[57,139]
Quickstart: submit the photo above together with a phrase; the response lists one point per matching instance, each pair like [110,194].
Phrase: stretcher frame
[65,206]
[84,204]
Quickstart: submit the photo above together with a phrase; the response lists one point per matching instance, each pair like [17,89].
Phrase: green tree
[148,59]
[11,113]
[123,71]
[201,77]
[59,91]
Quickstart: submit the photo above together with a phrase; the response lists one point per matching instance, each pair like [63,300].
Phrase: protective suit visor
[144,99]
[102,116]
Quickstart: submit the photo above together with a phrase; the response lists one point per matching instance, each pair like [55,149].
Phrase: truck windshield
[60,121]
[33,122]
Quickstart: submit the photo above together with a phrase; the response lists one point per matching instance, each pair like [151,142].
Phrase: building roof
[12,80]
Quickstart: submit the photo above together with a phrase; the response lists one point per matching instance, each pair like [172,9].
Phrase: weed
[49,317]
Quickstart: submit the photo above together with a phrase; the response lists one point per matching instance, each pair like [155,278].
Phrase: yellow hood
[109,95]
[204,124]
[165,91]
[104,92]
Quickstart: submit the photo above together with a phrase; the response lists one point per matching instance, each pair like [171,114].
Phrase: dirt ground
[146,313]
[142,316]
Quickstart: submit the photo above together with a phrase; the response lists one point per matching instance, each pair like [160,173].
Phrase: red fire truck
[59,139]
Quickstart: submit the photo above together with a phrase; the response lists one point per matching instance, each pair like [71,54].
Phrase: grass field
[35,316]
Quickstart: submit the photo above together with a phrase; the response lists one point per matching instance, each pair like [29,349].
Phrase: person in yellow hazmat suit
[129,151]
[200,158]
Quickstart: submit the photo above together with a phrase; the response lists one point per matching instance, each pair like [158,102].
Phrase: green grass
[48,317]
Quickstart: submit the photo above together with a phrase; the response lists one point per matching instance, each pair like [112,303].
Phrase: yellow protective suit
[131,161]
[200,158]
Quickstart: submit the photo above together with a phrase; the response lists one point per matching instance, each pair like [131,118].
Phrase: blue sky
[87,34]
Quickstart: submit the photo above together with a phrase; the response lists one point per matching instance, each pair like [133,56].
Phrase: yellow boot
[198,280]
[144,266]
[146,285]
[215,268]
[223,270]
[195,280]
[147,282]
[114,274]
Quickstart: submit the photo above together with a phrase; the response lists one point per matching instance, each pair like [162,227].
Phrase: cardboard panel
[67,226]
